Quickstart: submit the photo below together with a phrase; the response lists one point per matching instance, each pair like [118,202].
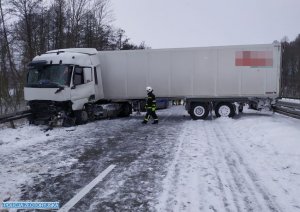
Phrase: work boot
[144,122]
[155,122]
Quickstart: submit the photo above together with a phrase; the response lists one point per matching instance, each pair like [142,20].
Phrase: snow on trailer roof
[89,51]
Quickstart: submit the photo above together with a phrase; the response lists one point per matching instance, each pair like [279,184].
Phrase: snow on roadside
[290,100]
[28,154]
[22,151]
[271,147]
[250,163]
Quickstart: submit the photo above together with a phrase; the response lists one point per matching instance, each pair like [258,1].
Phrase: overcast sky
[187,23]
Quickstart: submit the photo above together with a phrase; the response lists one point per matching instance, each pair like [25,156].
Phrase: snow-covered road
[249,163]
[235,165]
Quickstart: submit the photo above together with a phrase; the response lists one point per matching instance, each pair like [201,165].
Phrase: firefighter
[150,107]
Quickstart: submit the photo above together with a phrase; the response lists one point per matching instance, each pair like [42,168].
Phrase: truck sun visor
[37,63]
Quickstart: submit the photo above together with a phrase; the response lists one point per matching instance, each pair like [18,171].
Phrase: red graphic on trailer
[254,58]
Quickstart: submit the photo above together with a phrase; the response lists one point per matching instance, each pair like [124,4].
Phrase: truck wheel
[224,109]
[199,111]
[81,117]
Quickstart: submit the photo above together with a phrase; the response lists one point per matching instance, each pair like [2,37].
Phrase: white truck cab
[65,80]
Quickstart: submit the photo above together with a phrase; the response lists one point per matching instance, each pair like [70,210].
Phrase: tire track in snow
[139,180]
[193,183]
[244,195]
[171,176]
[209,174]
[275,174]
[255,196]
[229,197]
[93,146]
[249,177]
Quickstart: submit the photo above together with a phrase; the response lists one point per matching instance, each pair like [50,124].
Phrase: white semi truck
[78,84]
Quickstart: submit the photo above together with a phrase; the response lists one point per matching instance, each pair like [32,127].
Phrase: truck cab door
[82,87]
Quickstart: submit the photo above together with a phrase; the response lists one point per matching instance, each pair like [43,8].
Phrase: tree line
[290,77]
[32,27]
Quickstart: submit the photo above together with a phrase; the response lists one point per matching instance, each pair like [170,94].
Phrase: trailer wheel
[199,111]
[81,117]
[224,109]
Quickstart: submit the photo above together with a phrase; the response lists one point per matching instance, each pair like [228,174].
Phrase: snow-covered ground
[290,100]
[249,163]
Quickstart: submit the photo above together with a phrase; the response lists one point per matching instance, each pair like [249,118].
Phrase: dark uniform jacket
[151,102]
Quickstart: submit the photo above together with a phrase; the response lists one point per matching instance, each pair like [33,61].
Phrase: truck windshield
[50,76]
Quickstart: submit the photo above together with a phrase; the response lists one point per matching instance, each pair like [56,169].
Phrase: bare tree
[57,24]
[10,77]
[102,12]
[26,10]
[76,9]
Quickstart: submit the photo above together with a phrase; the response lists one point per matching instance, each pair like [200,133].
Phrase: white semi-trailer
[75,85]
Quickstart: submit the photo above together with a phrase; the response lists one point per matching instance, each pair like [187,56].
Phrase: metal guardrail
[288,108]
[14,116]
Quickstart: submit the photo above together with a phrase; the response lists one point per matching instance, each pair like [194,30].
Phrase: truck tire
[81,117]
[199,110]
[225,109]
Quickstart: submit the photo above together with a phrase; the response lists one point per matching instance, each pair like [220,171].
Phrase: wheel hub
[224,111]
[199,111]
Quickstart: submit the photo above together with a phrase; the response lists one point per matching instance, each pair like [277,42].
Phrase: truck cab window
[49,76]
[78,76]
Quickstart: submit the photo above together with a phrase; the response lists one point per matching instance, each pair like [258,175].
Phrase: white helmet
[149,89]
